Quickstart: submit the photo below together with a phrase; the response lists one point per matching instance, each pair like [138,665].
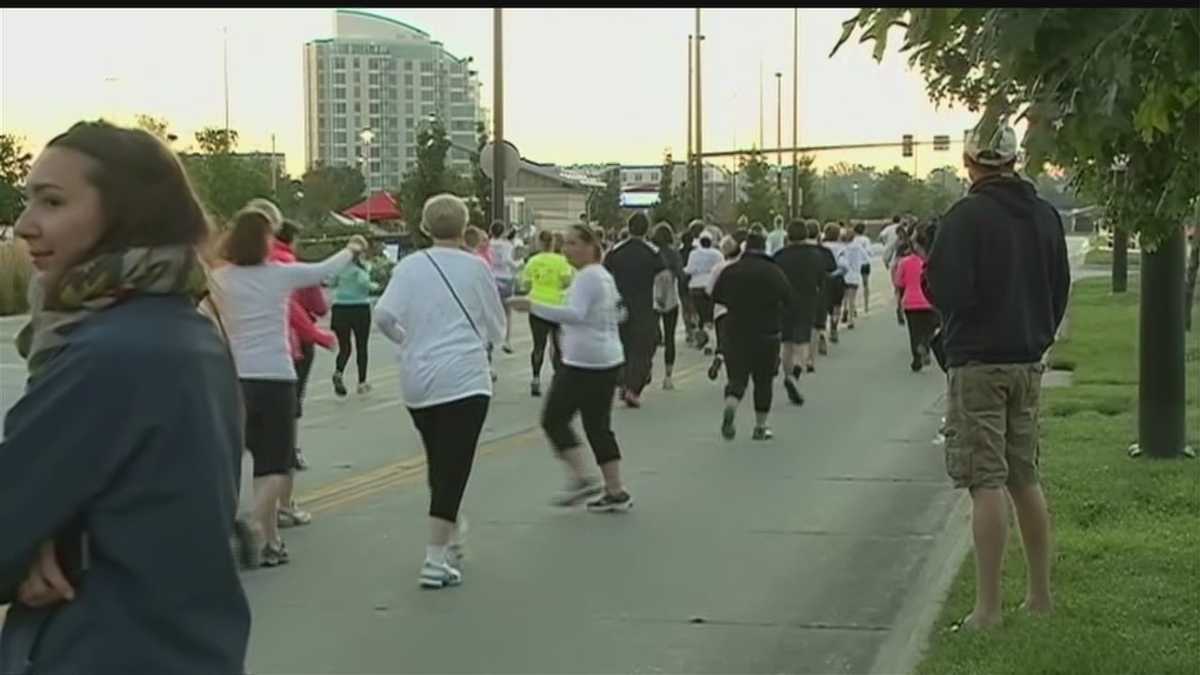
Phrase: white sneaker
[668,385]
[434,575]
[364,388]
[577,491]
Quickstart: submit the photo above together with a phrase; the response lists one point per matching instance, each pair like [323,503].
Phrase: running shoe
[701,339]
[762,434]
[291,516]
[299,462]
[797,371]
[668,384]
[506,348]
[833,336]
[535,388]
[812,368]
[577,490]
[633,400]
[793,393]
[611,503]
[822,345]
[364,388]
[714,370]
[728,430]
[274,555]
[915,365]
[434,575]
[339,387]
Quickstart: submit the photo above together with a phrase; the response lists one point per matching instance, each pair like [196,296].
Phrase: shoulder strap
[450,287]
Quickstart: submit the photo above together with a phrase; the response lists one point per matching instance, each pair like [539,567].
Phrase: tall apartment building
[381,74]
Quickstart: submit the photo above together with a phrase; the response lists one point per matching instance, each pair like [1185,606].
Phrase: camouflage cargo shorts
[992,425]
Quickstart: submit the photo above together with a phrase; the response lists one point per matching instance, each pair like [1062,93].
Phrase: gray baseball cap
[997,150]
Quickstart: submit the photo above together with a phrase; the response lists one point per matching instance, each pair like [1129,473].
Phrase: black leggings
[450,433]
[543,331]
[921,324]
[704,307]
[637,339]
[752,358]
[669,320]
[303,369]
[354,319]
[590,393]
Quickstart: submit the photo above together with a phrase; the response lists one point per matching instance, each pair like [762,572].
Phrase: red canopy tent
[377,207]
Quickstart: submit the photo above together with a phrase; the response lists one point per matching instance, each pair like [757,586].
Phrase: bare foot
[971,623]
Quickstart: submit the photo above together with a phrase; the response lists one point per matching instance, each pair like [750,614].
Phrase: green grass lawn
[1126,572]
[1101,257]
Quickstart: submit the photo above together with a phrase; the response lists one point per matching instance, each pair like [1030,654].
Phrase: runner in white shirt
[861,239]
[592,357]
[504,269]
[699,269]
[441,309]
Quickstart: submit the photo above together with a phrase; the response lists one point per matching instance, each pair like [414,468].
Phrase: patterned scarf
[98,284]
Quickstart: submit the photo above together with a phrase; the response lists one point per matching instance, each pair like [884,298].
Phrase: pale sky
[581,85]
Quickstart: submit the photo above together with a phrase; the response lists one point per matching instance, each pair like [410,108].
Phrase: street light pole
[690,173]
[699,123]
[225,62]
[795,207]
[498,153]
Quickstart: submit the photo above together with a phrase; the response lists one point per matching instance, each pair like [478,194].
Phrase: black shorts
[797,328]
[270,425]
[866,270]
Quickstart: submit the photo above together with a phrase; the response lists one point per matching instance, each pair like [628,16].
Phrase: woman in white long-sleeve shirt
[699,270]
[253,297]
[441,309]
[592,357]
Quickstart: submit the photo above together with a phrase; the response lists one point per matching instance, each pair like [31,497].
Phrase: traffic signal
[906,143]
[941,142]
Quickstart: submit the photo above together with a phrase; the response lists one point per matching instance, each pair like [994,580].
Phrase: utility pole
[779,132]
[690,173]
[699,124]
[794,211]
[499,212]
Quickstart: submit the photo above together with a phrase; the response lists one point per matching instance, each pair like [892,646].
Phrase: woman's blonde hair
[444,216]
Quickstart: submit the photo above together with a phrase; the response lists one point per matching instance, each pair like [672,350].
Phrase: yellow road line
[361,486]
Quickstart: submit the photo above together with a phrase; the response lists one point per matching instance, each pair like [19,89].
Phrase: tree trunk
[1161,384]
[1192,269]
[1120,260]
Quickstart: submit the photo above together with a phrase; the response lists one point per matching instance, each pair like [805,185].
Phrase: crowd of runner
[115,277]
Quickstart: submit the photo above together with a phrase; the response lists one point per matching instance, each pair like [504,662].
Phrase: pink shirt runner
[907,277]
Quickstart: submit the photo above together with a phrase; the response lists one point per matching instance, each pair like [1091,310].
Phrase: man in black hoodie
[806,266]
[634,263]
[999,276]
[756,293]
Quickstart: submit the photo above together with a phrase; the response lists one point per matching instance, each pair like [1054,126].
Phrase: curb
[909,637]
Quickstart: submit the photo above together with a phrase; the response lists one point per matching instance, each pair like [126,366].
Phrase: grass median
[1103,258]
[1126,573]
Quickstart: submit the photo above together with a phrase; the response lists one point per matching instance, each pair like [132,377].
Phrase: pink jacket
[305,306]
[907,277]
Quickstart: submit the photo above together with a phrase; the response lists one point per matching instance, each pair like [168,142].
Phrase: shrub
[15,271]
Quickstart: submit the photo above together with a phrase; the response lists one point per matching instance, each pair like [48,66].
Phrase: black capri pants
[704,306]
[754,359]
[450,433]
[543,331]
[590,393]
[270,425]
[356,320]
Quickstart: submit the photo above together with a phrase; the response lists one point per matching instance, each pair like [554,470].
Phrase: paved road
[796,555]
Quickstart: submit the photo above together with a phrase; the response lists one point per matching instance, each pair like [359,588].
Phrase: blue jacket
[132,436]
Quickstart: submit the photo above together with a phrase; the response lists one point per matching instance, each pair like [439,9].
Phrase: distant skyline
[581,85]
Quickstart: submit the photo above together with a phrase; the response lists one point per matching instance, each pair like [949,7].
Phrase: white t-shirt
[776,240]
[719,310]
[441,357]
[590,320]
[700,265]
[503,264]
[865,242]
[253,300]
[853,257]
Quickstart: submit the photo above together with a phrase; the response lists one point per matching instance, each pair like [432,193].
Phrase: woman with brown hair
[253,295]
[119,465]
